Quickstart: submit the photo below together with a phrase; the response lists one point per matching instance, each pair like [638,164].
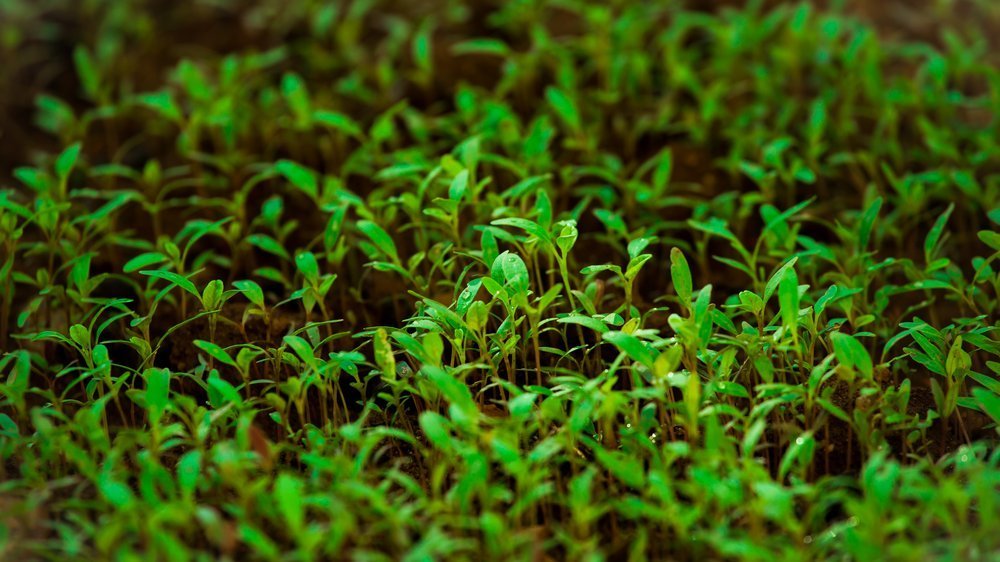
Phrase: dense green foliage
[579,279]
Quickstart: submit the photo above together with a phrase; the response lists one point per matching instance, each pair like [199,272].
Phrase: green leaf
[567,236]
[459,185]
[564,107]
[302,349]
[463,409]
[162,103]
[521,406]
[269,245]
[868,223]
[833,409]
[626,468]
[543,206]
[511,270]
[991,239]
[308,266]
[778,220]
[380,238]
[852,354]
[635,265]
[189,472]
[988,401]
[800,452]
[221,392]
[174,278]
[143,261]
[422,47]
[436,429]
[87,72]
[157,389]
[115,493]
[477,315]
[777,278]
[592,323]
[384,357]
[663,171]
[67,160]
[80,334]
[212,296]
[613,221]
[715,226]
[299,176]
[291,504]
[680,273]
[251,290]
[261,546]
[338,121]
[297,96]
[529,226]
[788,299]
[934,235]
[481,46]
[631,346]
[215,351]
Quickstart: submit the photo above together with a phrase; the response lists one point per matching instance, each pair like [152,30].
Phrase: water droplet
[853,521]
[808,539]
[965,458]
[800,441]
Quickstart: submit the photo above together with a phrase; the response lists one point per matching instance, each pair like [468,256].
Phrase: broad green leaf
[459,186]
[302,349]
[991,239]
[67,160]
[251,290]
[564,107]
[143,261]
[380,238]
[308,266]
[632,346]
[299,176]
[989,402]
[436,429]
[512,272]
[268,244]
[288,493]
[338,121]
[455,391]
[852,354]
[157,389]
[221,392]
[163,103]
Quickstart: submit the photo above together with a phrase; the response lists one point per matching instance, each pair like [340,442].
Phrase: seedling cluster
[445,280]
